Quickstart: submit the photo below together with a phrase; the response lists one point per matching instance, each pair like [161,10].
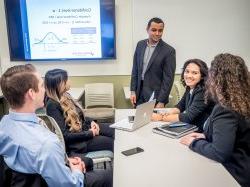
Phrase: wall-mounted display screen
[61,29]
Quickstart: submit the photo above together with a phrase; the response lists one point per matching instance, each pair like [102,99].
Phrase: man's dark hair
[15,83]
[156,20]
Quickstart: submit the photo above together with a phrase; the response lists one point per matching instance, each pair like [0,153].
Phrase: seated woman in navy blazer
[226,136]
[192,107]
[81,135]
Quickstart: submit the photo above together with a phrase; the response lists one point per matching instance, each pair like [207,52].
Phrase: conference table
[164,162]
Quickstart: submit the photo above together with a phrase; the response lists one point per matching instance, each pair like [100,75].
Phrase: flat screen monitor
[60,29]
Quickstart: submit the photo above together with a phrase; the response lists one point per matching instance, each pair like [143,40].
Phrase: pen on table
[177,125]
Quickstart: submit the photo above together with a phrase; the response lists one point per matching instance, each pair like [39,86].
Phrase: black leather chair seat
[11,178]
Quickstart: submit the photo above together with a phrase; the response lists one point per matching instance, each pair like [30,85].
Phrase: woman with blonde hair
[226,136]
[81,134]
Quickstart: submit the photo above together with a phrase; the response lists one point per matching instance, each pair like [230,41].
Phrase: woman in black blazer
[192,107]
[81,135]
[226,137]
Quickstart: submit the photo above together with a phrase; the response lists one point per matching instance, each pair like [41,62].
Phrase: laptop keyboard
[124,124]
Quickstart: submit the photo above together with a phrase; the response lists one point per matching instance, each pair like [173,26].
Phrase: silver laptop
[142,117]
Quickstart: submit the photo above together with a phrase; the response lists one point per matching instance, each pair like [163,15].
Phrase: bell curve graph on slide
[50,42]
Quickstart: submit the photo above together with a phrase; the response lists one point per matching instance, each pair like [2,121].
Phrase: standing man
[27,146]
[153,67]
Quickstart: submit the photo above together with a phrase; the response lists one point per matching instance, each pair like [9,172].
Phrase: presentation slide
[64,28]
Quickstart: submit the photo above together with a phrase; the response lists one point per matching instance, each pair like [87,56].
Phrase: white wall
[196,28]
[121,66]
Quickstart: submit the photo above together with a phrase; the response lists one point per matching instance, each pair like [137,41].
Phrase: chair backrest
[11,178]
[53,126]
[99,95]
[180,90]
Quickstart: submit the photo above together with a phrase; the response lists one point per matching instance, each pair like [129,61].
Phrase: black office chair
[11,178]
[1,171]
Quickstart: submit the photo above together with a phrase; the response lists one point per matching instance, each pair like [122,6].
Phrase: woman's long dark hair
[203,71]
[229,83]
[55,85]
[54,80]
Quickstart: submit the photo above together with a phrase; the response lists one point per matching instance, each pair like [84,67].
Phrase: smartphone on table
[131,119]
[132,151]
